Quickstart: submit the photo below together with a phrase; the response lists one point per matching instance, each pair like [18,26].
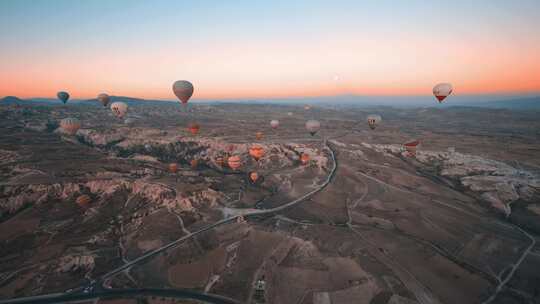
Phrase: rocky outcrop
[73,263]
[496,182]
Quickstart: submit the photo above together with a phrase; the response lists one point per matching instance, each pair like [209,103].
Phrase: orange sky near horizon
[348,61]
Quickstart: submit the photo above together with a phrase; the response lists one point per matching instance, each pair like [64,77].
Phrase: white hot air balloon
[373,120]
[119,109]
[183,89]
[274,123]
[442,90]
[70,125]
[313,126]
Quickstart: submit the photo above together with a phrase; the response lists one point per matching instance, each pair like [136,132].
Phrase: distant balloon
[220,161]
[256,152]
[254,176]
[411,147]
[119,109]
[289,113]
[307,107]
[83,201]
[373,120]
[194,128]
[183,89]
[63,96]
[442,90]
[313,126]
[259,135]
[274,123]
[104,99]
[304,158]
[70,125]
[173,167]
[234,162]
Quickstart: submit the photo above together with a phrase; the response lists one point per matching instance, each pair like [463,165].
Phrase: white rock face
[72,263]
[497,183]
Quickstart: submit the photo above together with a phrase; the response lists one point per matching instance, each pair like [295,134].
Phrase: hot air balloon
[304,158]
[63,96]
[313,126]
[253,176]
[307,107]
[194,128]
[119,109]
[411,147]
[183,89]
[194,163]
[104,99]
[274,123]
[234,162]
[442,90]
[83,200]
[70,125]
[173,167]
[256,152]
[259,135]
[289,113]
[373,120]
[220,161]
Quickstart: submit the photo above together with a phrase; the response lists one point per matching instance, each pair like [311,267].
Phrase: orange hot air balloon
[254,176]
[256,152]
[194,163]
[70,125]
[234,162]
[194,128]
[411,147]
[173,167]
[259,135]
[183,89]
[304,158]
[83,200]
[442,90]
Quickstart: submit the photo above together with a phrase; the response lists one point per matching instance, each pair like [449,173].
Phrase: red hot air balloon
[411,147]
[442,90]
[183,89]
[70,125]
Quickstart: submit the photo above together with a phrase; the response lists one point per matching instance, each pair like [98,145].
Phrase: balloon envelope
[119,109]
[259,135]
[234,162]
[194,128]
[254,176]
[173,167]
[104,99]
[183,89]
[442,90]
[70,125]
[373,120]
[313,126]
[274,123]
[63,96]
[256,152]
[304,158]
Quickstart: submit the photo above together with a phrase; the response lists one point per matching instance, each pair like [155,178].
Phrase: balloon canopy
[70,125]
[104,99]
[183,89]
[373,120]
[63,96]
[442,90]
[274,123]
[119,109]
[313,126]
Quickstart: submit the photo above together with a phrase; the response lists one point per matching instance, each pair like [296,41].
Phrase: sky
[268,49]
